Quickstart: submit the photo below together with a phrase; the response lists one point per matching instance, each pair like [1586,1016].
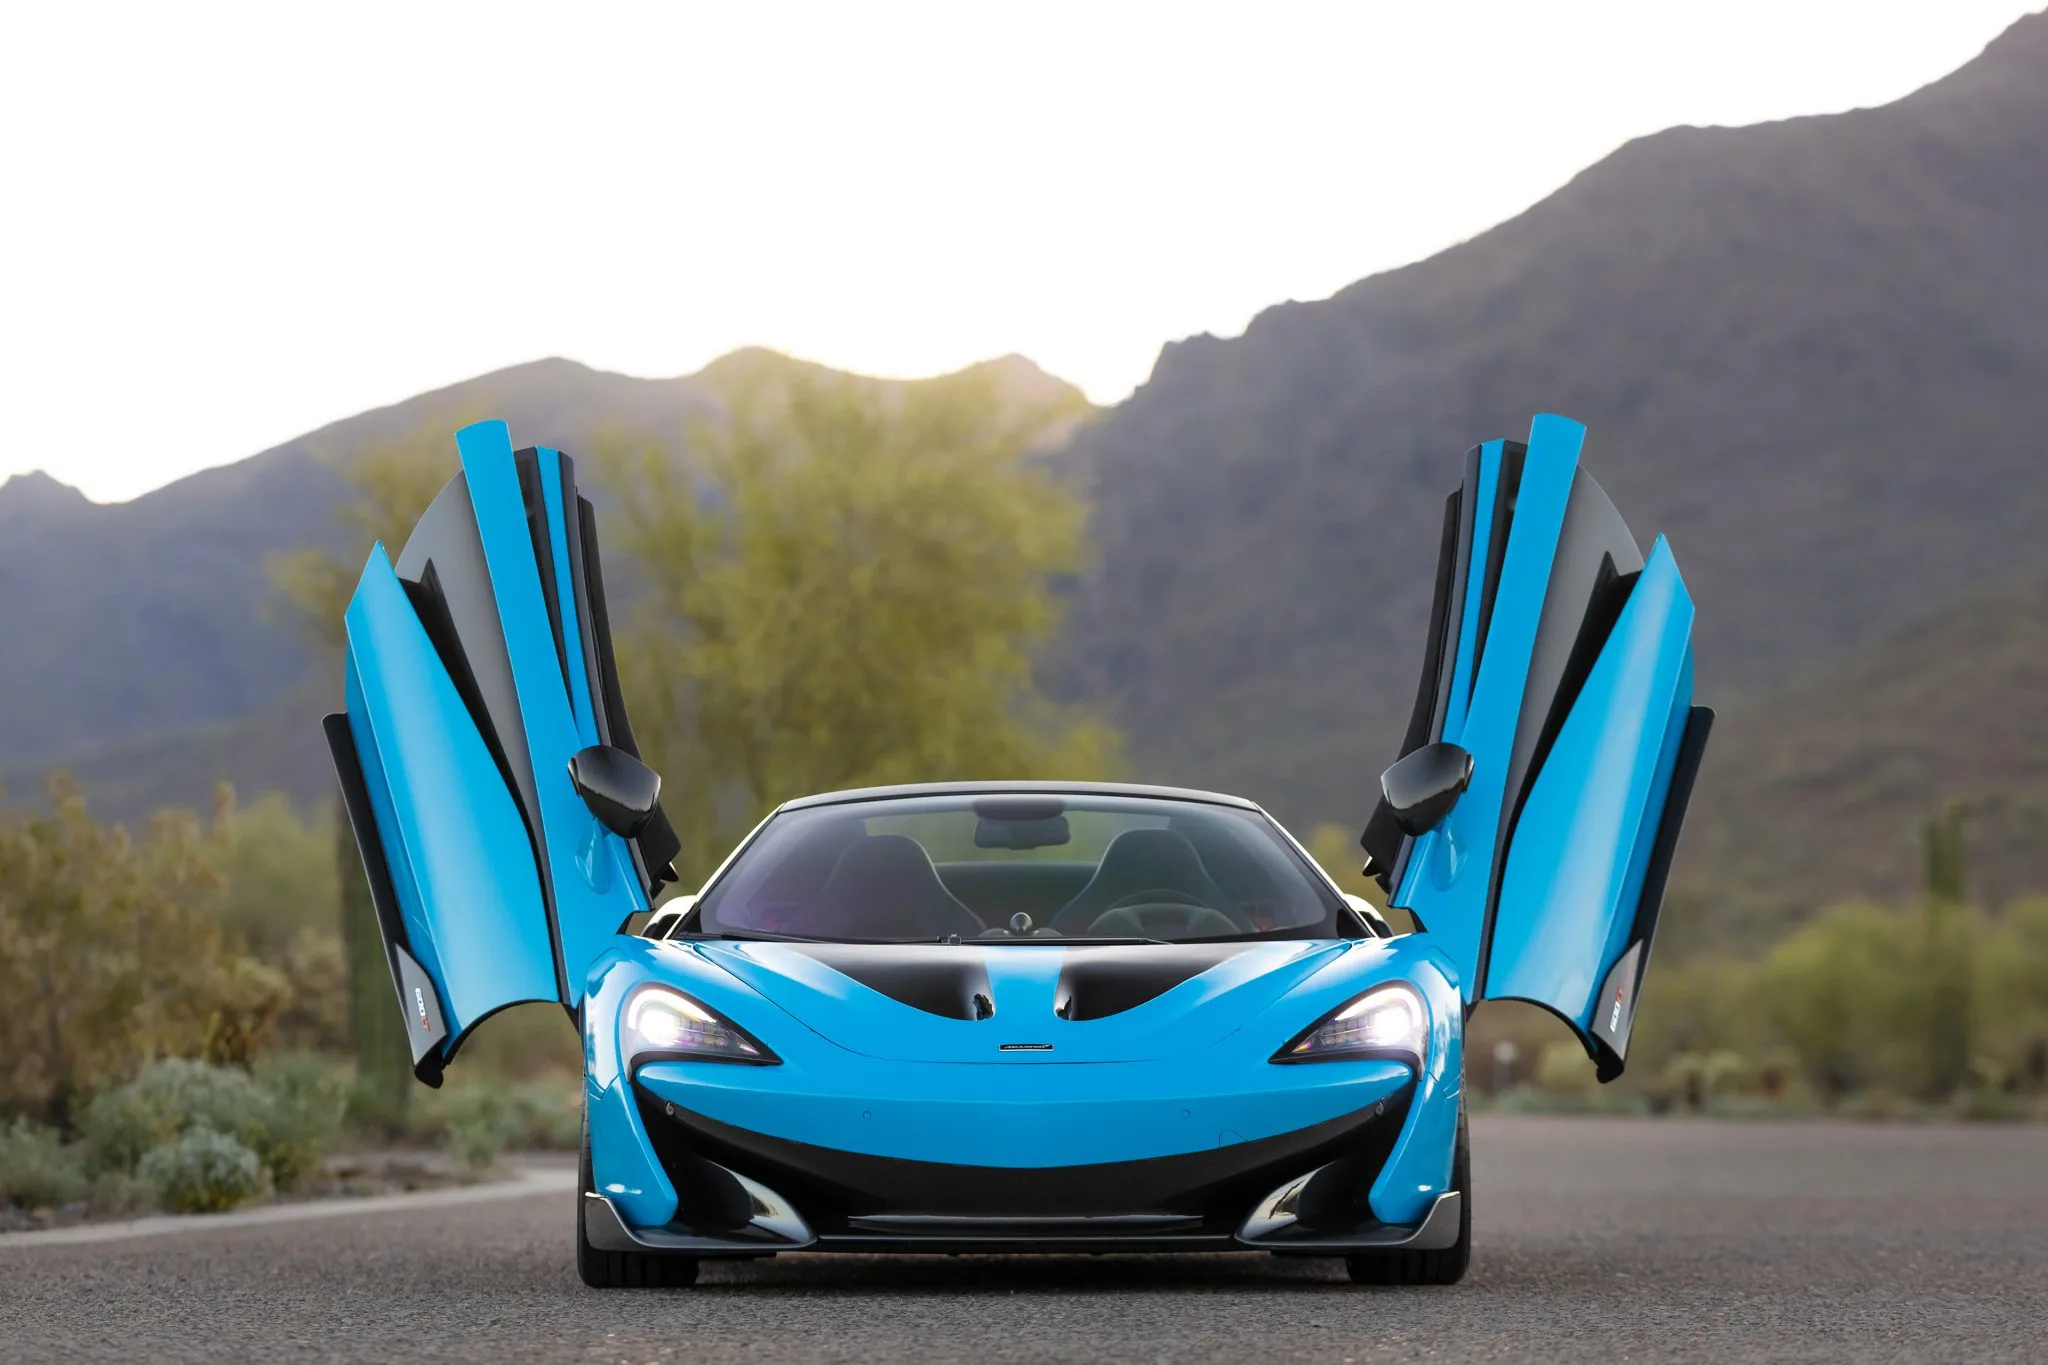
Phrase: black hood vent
[940,979]
[1098,982]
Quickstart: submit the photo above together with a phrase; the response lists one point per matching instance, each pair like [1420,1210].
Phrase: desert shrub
[203,1171]
[305,1098]
[38,1168]
[281,875]
[1987,1104]
[2012,1004]
[118,941]
[288,1114]
[481,1121]
[121,1194]
[166,1100]
[1563,1069]
[522,1043]
[550,1114]
[477,1119]
[1877,1102]
[1838,992]
[316,968]
[243,1000]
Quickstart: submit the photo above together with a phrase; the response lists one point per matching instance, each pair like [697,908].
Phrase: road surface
[1596,1240]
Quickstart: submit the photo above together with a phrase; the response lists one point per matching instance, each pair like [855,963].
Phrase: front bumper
[746,1193]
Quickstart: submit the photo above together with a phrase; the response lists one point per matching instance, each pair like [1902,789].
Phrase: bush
[305,1099]
[550,1114]
[122,930]
[1987,1104]
[287,1116]
[243,1001]
[1564,1070]
[482,1121]
[38,1168]
[165,1101]
[122,1194]
[1604,1100]
[202,1172]
[477,1119]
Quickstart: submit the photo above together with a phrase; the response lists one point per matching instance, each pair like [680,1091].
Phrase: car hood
[1027,1002]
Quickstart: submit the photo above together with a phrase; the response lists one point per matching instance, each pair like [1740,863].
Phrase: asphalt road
[1596,1240]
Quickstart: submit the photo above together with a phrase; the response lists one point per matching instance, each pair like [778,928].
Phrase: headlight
[1387,1021]
[665,1023]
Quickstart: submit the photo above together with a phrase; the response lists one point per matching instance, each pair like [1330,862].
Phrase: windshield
[1024,866]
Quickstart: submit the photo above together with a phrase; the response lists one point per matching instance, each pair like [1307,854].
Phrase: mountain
[1810,352]
[145,646]
[1821,792]
[35,496]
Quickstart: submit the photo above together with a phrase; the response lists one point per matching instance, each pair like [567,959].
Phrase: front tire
[621,1269]
[1428,1267]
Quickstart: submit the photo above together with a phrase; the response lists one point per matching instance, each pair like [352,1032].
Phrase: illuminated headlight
[666,1023]
[1388,1021]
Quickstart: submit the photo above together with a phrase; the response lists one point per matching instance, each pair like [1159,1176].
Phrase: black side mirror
[1422,788]
[619,789]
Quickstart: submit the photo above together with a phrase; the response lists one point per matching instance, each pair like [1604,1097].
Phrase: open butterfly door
[477,666]
[1561,659]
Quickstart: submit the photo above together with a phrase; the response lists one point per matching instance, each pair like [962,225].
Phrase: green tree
[392,484]
[842,584]
[282,903]
[1837,992]
[2012,981]
[111,952]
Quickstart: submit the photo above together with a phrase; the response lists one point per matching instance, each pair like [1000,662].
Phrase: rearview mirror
[1421,788]
[619,789]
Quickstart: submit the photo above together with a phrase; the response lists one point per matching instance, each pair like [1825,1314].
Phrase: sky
[228,225]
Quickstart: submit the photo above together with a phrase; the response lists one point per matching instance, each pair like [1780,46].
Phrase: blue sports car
[1020,1016]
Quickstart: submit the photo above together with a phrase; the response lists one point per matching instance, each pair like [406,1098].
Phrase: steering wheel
[1162,913]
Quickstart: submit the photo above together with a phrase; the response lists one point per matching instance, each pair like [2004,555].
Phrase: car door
[1560,658]
[477,664]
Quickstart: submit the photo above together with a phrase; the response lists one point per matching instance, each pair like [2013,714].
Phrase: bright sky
[226,225]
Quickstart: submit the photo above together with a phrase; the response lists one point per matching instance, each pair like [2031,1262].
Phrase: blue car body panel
[586,865]
[1568,678]
[453,839]
[1106,1092]
[474,673]
[1575,871]
[480,662]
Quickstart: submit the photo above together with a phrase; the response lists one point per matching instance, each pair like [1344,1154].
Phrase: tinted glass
[1025,867]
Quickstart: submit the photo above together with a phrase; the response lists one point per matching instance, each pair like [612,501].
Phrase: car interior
[857,873]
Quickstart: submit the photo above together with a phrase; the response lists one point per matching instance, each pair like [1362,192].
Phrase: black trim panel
[655,847]
[542,536]
[851,1198]
[428,1058]
[1611,1047]
[1382,838]
[1425,721]
[1506,488]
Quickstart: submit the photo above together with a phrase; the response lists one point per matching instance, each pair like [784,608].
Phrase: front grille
[1206,1193]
